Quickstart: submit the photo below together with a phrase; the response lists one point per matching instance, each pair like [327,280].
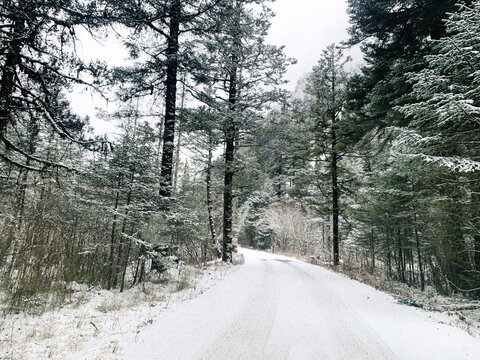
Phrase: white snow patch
[96,321]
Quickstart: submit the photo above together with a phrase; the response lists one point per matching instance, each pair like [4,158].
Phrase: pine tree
[38,63]
[326,86]
[393,37]
[443,133]
[202,126]
[169,32]
[247,71]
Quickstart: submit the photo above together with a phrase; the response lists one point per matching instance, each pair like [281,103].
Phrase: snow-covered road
[275,307]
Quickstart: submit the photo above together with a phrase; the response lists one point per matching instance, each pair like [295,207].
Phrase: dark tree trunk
[228,193]
[112,269]
[211,223]
[230,137]
[476,257]
[400,263]
[411,263]
[334,173]
[279,191]
[179,141]
[372,251]
[419,254]
[8,77]
[230,131]
[335,211]
[170,100]
[335,193]
[389,254]
[476,236]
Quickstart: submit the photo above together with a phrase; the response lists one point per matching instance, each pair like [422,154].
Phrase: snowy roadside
[460,311]
[99,319]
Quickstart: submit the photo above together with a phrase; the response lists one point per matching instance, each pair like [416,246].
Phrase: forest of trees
[386,158]
[377,167]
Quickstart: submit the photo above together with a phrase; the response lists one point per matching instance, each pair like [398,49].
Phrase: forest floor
[272,307]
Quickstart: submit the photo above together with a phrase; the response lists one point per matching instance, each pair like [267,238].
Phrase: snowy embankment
[101,319]
[272,307]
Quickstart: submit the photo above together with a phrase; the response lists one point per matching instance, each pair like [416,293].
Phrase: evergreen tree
[38,63]
[202,126]
[247,71]
[326,86]
[122,185]
[169,33]
[393,37]
[443,133]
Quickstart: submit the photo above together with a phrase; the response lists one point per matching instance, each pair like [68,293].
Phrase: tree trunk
[179,141]
[476,236]
[335,196]
[419,254]
[372,251]
[279,191]
[334,171]
[400,263]
[8,77]
[112,273]
[211,223]
[389,255]
[170,100]
[230,136]
[228,193]
[124,225]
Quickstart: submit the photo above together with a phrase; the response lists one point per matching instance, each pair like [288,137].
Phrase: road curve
[275,307]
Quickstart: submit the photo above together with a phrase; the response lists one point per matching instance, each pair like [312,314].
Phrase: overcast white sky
[304,27]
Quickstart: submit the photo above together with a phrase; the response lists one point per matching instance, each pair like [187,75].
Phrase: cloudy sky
[304,27]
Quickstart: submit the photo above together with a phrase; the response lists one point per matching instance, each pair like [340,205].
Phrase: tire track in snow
[349,335]
[252,327]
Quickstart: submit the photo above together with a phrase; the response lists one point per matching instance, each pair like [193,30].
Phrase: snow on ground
[272,307]
[463,312]
[100,318]
[276,307]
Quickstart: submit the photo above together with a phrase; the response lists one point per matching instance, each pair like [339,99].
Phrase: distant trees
[244,73]
[293,230]
[304,145]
